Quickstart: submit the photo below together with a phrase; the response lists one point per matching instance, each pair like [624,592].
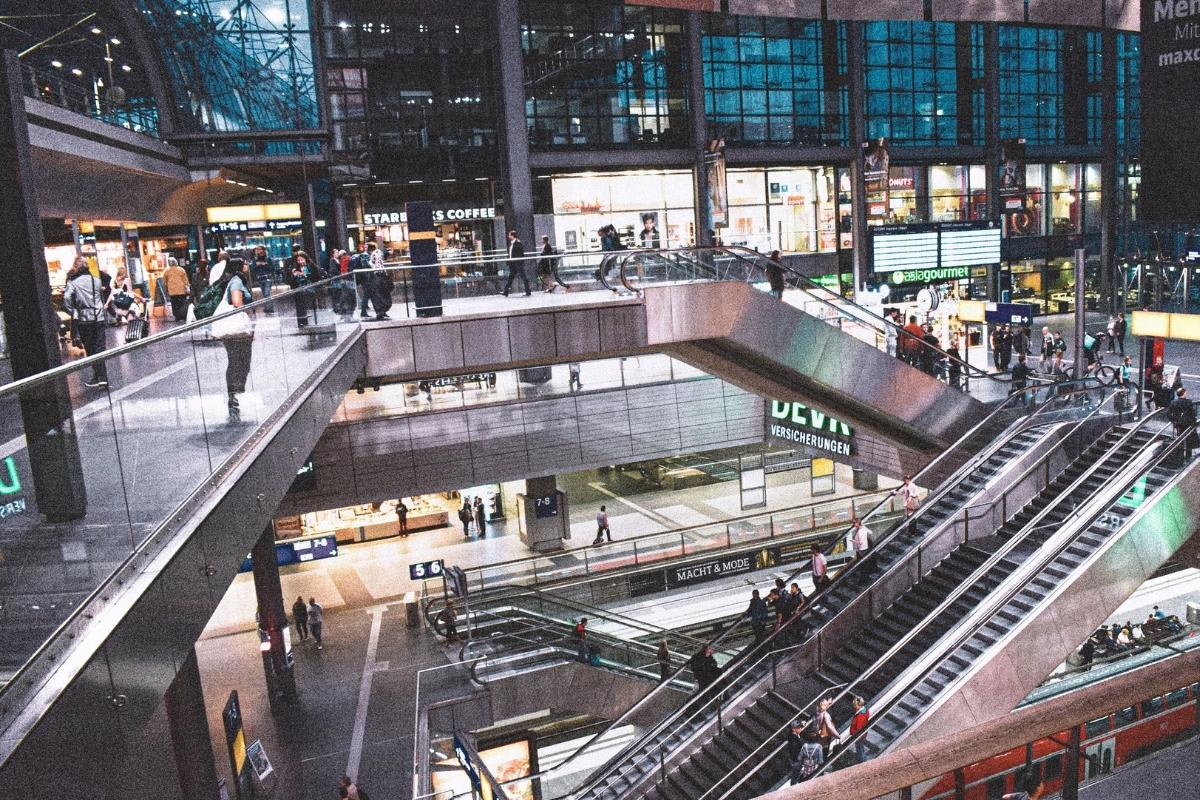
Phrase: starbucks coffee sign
[799,424]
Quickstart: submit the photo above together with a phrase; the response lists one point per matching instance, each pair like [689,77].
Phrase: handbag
[233,326]
[136,330]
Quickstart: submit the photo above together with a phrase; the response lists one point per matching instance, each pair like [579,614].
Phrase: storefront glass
[585,203]
[1065,211]
[905,186]
[1031,221]
[957,192]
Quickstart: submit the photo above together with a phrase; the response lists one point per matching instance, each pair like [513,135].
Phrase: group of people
[916,344]
[811,739]
[308,619]
[1110,640]
[473,513]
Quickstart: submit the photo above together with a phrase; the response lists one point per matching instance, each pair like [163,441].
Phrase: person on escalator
[859,722]
[909,494]
[775,275]
[1183,416]
[858,539]
[810,758]
[1020,378]
[912,342]
[663,656]
[820,570]
[704,668]
[760,616]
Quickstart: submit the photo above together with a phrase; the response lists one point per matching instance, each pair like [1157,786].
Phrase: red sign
[688,5]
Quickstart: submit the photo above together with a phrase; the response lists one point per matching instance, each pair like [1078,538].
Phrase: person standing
[1047,349]
[954,364]
[1006,347]
[891,328]
[301,275]
[480,518]
[84,300]
[1020,378]
[516,264]
[664,661]
[602,528]
[859,538]
[263,275]
[857,724]
[1111,330]
[1119,332]
[760,616]
[809,759]
[704,668]
[464,516]
[402,517]
[178,287]
[912,341]
[316,619]
[574,384]
[1020,341]
[1183,416]
[775,275]
[300,617]
[819,568]
[909,494]
[449,619]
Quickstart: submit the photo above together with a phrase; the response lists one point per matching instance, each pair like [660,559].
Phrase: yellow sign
[971,310]
[253,213]
[239,751]
[1161,325]
[822,467]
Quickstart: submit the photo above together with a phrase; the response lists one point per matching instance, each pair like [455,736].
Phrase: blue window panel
[779,51]
[754,102]
[751,48]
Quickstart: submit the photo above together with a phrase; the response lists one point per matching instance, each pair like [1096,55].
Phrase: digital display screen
[546,506]
[972,246]
[902,247]
[425,569]
[911,249]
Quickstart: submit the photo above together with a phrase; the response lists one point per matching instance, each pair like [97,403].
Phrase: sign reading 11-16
[805,426]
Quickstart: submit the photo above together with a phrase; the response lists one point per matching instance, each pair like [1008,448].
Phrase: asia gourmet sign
[802,425]
[1170,85]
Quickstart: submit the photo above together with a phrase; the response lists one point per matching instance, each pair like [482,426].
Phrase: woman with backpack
[810,758]
[235,332]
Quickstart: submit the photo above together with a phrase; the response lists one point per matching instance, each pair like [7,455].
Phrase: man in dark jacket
[516,264]
[1020,378]
[760,616]
[1183,417]
[704,667]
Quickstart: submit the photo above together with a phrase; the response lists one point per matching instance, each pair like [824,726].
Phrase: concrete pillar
[308,218]
[190,739]
[29,319]
[858,134]
[278,665]
[1070,784]
[991,124]
[340,237]
[518,186]
[698,124]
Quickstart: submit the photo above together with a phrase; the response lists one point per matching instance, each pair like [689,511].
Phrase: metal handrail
[981,571]
[812,600]
[1029,573]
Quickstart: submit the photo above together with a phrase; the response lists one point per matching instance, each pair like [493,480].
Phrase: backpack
[211,297]
[808,761]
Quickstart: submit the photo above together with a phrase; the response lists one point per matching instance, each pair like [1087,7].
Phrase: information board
[425,569]
[903,247]
[947,246]
[969,244]
[1169,80]
[546,506]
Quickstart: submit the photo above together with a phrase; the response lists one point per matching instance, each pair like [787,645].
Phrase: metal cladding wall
[1170,81]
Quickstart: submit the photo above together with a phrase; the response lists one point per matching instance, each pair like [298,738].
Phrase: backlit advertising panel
[1170,84]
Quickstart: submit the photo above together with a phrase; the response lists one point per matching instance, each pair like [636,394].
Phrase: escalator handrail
[964,586]
[725,676]
[934,656]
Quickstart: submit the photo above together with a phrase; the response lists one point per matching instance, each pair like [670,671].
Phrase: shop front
[932,193]
[462,231]
[1048,284]
[648,208]
[370,521]
[791,209]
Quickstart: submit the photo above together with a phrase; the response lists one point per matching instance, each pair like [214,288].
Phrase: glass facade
[237,65]
[1060,200]
[1050,85]
[776,81]
[793,209]
[599,74]
[413,88]
[924,82]
[632,202]
[1129,98]
[933,193]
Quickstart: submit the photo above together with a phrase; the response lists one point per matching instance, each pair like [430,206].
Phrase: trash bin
[412,610]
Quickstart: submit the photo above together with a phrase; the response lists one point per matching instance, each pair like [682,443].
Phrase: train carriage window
[1152,706]
[1098,727]
[1052,768]
[1126,716]
[1177,697]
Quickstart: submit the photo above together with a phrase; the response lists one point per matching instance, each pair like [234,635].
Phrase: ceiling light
[115,40]
[56,64]
[77,72]
[97,31]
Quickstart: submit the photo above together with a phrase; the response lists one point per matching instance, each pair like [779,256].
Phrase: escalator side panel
[1086,598]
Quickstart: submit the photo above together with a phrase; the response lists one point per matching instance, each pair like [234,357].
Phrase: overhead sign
[935,246]
[714,568]
[1169,80]
[299,551]
[802,425]
[440,214]
[546,506]
[425,569]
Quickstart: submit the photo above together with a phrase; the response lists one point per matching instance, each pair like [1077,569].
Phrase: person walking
[857,724]
[760,616]
[664,661]
[819,568]
[178,288]
[516,264]
[1020,378]
[83,299]
[704,668]
[263,275]
[1183,416]
[546,266]
[775,275]
[602,528]
[402,518]
[464,516]
[300,618]
[316,619]
[236,333]
[480,517]
[1119,332]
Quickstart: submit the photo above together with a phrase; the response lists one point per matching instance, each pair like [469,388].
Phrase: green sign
[929,275]
[806,426]
[12,483]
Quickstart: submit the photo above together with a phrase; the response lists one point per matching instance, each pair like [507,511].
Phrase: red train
[1108,742]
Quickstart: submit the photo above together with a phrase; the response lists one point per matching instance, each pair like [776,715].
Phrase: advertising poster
[1011,182]
[1170,85]
[718,189]
[876,161]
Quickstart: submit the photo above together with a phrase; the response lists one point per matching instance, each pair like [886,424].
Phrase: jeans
[302,629]
[92,336]
[263,282]
[238,352]
[316,631]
